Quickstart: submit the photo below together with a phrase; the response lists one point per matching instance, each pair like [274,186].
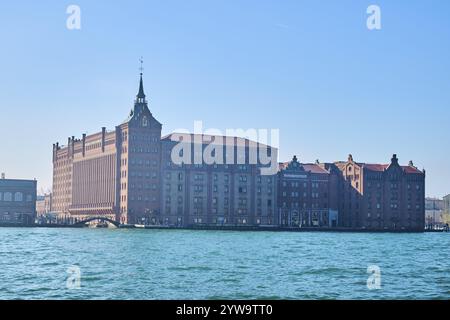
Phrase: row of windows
[139,174]
[296,194]
[142,186]
[394,206]
[394,186]
[141,150]
[143,138]
[15,197]
[215,201]
[304,184]
[141,162]
[305,205]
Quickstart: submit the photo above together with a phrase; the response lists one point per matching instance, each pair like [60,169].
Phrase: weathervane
[141,60]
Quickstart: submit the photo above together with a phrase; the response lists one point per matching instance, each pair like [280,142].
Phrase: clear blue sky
[310,68]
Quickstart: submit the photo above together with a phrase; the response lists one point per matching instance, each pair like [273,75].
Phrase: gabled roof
[308,167]
[377,167]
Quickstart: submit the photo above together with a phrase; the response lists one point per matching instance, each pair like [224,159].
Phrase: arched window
[18,197]
[144,121]
[7,196]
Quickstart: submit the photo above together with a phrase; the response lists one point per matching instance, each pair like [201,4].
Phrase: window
[7,196]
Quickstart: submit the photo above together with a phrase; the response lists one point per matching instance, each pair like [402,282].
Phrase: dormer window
[144,121]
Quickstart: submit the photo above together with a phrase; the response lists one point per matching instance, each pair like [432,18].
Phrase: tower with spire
[140,137]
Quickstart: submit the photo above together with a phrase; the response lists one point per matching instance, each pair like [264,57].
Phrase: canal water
[174,264]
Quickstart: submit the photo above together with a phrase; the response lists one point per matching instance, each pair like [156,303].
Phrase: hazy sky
[310,68]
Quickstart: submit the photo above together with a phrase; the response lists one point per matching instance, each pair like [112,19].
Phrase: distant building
[306,195]
[434,210]
[44,204]
[381,196]
[17,201]
[446,204]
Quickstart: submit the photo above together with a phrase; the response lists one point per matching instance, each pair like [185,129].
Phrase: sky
[311,69]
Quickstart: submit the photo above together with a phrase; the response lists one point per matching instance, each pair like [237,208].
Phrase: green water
[172,264]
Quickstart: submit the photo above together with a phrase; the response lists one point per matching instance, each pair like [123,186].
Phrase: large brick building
[307,195]
[118,175]
[112,174]
[225,193]
[129,175]
[381,196]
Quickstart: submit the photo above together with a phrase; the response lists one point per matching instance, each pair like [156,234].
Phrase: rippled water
[172,264]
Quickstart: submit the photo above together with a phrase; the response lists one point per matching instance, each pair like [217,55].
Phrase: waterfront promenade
[109,224]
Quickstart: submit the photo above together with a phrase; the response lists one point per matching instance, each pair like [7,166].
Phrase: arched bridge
[104,219]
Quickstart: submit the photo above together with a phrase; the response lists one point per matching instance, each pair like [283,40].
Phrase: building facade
[111,174]
[17,201]
[118,175]
[44,204]
[381,196]
[129,175]
[446,204]
[306,195]
[434,211]
[225,193]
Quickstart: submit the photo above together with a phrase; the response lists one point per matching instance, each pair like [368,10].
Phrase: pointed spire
[140,98]
[141,93]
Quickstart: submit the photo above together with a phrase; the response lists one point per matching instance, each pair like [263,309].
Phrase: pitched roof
[410,169]
[375,167]
[206,139]
[309,167]
[314,168]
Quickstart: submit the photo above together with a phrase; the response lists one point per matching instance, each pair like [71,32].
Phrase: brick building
[225,193]
[129,175]
[306,195]
[381,196]
[112,174]
[118,175]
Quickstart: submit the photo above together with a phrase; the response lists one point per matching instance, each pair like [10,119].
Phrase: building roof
[308,167]
[377,167]
[206,139]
